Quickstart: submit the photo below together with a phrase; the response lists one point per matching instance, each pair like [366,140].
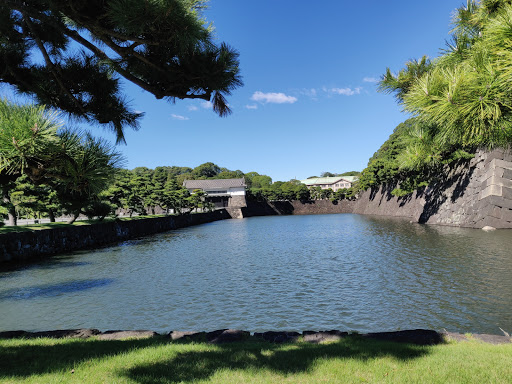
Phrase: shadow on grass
[23,360]
[282,359]
[28,358]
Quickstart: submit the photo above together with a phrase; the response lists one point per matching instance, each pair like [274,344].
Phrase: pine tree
[164,47]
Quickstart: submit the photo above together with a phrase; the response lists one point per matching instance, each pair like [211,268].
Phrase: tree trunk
[13,220]
[74,216]
[51,214]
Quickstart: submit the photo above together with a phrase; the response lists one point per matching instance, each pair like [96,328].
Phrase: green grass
[38,227]
[352,360]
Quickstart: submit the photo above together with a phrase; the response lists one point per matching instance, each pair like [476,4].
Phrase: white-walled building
[335,183]
[221,192]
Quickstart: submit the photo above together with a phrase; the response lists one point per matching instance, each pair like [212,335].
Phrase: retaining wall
[473,194]
[20,246]
[256,208]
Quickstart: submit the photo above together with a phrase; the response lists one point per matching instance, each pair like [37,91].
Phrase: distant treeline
[137,189]
[141,190]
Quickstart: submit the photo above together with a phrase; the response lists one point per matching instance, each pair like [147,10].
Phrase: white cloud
[370,80]
[179,117]
[206,104]
[192,108]
[344,91]
[137,111]
[251,106]
[277,98]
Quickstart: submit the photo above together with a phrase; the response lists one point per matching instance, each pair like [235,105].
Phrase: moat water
[345,272]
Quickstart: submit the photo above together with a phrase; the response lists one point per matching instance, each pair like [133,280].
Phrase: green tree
[181,200]
[169,196]
[164,47]
[206,170]
[261,181]
[316,193]
[28,145]
[118,192]
[462,98]
[196,199]
[227,174]
[89,169]
[302,192]
[36,199]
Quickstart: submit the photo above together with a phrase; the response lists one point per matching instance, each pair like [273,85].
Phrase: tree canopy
[70,55]
[460,101]
[73,166]
[463,98]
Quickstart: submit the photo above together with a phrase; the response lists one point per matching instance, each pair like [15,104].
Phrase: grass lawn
[157,360]
[61,224]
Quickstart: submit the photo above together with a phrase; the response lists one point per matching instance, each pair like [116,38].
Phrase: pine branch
[51,65]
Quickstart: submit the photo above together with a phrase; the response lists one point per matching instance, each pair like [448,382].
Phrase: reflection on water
[346,272]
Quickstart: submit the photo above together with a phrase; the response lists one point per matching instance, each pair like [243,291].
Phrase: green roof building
[335,183]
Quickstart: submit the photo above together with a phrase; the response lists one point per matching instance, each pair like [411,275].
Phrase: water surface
[346,272]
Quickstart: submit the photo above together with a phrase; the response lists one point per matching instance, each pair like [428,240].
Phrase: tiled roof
[214,183]
[328,180]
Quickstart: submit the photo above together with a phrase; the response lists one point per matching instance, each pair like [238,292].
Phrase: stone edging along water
[415,336]
[16,247]
[23,246]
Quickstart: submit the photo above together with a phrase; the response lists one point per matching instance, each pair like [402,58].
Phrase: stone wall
[237,201]
[256,208]
[20,246]
[473,194]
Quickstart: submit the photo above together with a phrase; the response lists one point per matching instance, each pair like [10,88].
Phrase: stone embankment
[415,336]
[475,194]
[316,207]
[21,246]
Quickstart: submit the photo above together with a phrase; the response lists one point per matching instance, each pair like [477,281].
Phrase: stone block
[487,174]
[495,154]
[484,211]
[237,201]
[278,337]
[506,214]
[190,335]
[491,190]
[507,174]
[502,164]
[491,222]
[319,337]
[226,336]
[493,339]
[499,201]
[506,224]
[82,333]
[121,335]
[415,336]
[507,193]
[496,180]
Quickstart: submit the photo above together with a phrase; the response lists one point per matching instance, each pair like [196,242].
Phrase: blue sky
[309,103]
